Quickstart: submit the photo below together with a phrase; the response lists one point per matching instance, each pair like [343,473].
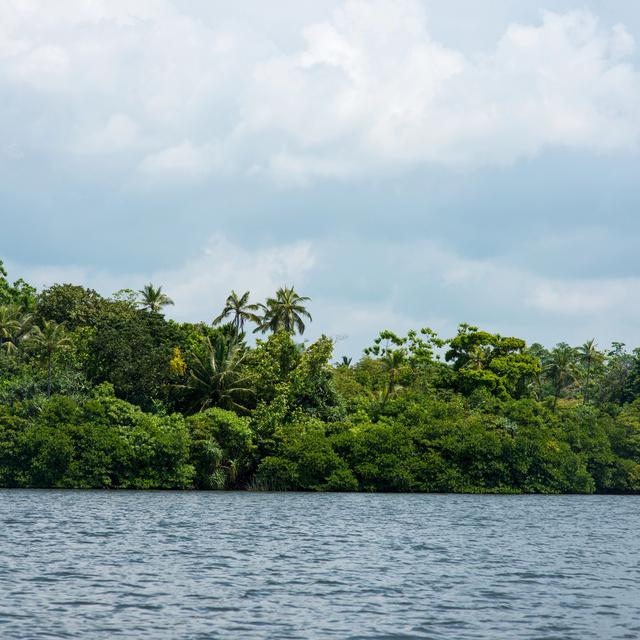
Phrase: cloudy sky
[403,162]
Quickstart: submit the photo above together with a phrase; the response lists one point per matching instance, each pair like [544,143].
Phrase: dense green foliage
[102,392]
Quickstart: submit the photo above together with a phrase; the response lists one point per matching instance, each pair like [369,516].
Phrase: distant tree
[391,352]
[9,326]
[52,337]
[589,357]
[560,368]
[152,299]
[70,304]
[501,365]
[614,386]
[125,295]
[537,383]
[632,385]
[20,292]
[132,350]
[284,312]
[240,311]
[289,377]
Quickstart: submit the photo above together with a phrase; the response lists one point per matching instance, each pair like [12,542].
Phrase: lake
[265,565]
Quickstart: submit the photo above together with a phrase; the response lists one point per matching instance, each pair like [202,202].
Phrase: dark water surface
[259,565]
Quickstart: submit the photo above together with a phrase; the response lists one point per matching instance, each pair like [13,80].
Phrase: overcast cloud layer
[401,163]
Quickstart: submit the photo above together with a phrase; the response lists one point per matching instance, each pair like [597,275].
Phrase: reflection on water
[255,565]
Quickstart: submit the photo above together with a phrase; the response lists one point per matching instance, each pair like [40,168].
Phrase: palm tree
[284,312]
[561,369]
[392,361]
[478,357]
[52,337]
[588,355]
[537,351]
[8,326]
[14,326]
[619,367]
[153,299]
[240,309]
[217,376]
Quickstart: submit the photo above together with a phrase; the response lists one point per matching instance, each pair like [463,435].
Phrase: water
[254,565]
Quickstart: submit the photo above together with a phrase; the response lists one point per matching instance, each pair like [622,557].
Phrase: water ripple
[224,565]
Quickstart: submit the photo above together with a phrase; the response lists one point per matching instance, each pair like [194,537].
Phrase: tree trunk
[49,378]
[389,389]
[585,395]
[556,395]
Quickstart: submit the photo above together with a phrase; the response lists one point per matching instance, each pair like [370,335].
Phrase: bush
[103,443]
[222,449]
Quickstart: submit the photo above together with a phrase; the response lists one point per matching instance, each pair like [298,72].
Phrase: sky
[405,163]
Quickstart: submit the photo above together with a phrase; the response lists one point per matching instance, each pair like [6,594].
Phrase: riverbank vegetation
[102,392]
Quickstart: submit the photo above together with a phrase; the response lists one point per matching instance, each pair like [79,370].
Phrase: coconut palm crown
[217,376]
[561,369]
[14,326]
[51,337]
[152,299]
[240,311]
[284,312]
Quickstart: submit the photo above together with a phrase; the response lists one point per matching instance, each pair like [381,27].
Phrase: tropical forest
[106,392]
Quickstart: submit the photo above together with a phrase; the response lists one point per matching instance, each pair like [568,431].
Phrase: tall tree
[70,304]
[617,374]
[284,312]
[14,326]
[20,292]
[131,349]
[240,310]
[152,299]
[392,353]
[560,367]
[499,364]
[8,327]
[589,357]
[52,337]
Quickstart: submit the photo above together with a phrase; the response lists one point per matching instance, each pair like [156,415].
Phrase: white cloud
[410,285]
[289,169]
[425,283]
[181,159]
[586,296]
[200,286]
[353,325]
[370,87]
[505,288]
[43,275]
[375,80]
[119,133]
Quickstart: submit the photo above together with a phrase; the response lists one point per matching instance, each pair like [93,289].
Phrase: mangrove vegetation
[105,392]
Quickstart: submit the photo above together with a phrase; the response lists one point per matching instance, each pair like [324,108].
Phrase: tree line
[105,392]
